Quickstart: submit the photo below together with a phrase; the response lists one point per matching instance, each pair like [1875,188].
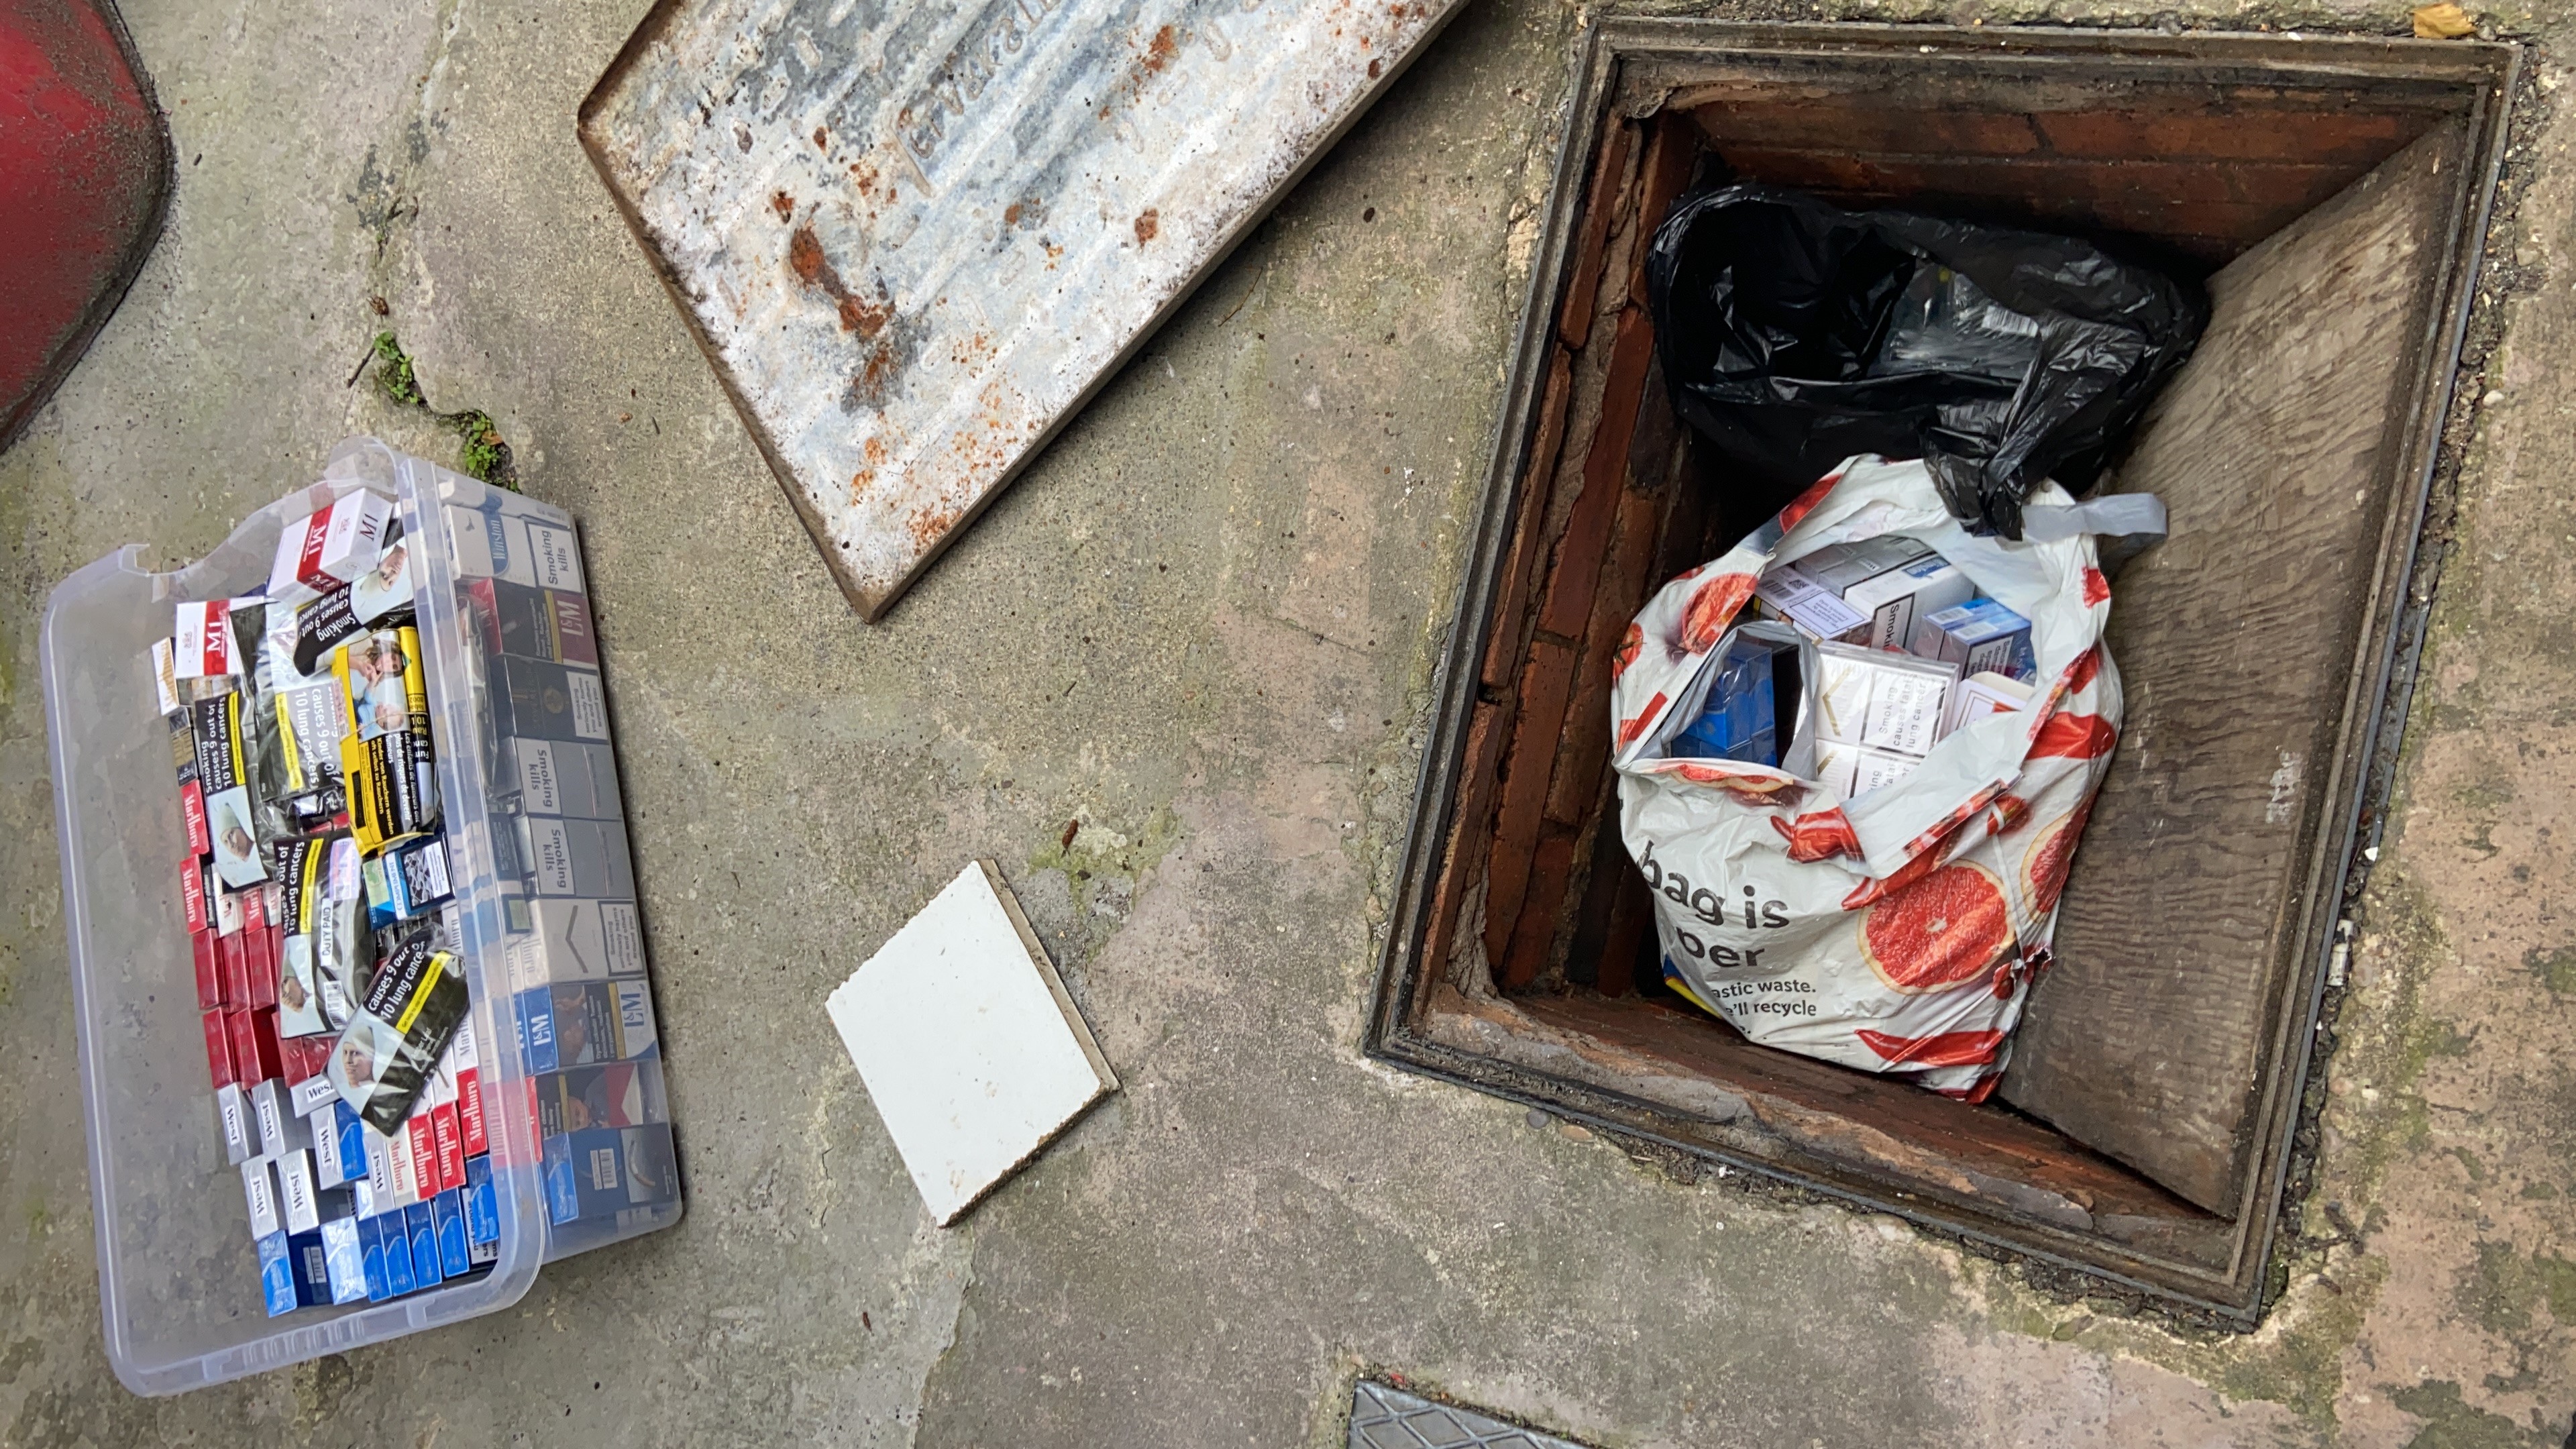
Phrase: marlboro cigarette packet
[208,964]
[465,1062]
[259,1193]
[276,1274]
[426,1173]
[219,1050]
[192,818]
[192,894]
[232,1119]
[329,548]
[403,1186]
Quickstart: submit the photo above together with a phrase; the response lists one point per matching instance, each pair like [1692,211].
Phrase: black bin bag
[1795,334]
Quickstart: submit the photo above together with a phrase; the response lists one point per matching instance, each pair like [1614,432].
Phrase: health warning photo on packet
[401,1028]
[221,775]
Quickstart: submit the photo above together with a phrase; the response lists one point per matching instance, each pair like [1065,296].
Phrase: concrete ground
[1202,626]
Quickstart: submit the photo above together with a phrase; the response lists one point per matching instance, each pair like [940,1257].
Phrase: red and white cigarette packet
[223,907]
[469,1090]
[254,1037]
[192,818]
[234,963]
[210,971]
[219,1050]
[326,549]
[192,894]
[423,1151]
[202,645]
[450,1136]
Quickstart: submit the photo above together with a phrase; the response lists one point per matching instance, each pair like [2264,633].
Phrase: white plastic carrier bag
[1897,932]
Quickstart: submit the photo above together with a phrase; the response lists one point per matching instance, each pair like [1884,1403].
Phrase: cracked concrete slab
[1200,630]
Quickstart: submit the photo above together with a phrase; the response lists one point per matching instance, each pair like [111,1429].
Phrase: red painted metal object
[84,180]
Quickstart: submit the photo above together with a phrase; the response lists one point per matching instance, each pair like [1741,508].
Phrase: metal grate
[1384,1417]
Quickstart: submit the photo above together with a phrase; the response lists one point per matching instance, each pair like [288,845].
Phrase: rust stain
[822,142]
[1011,214]
[1158,56]
[1149,223]
[784,205]
[864,315]
[1375,66]
[928,524]
[805,257]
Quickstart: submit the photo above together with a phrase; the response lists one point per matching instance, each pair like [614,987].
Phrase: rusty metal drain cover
[915,237]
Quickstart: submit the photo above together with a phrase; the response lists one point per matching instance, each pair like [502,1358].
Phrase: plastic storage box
[179,1282]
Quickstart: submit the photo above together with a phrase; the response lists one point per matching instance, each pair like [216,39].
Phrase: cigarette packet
[1982,696]
[531,623]
[562,777]
[201,646]
[575,940]
[395,1231]
[1894,600]
[423,1227]
[276,1274]
[259,1195]
[232,1119]
[1980,636]
[330,547]
[1891,702]
[447,1223]
[344,1259]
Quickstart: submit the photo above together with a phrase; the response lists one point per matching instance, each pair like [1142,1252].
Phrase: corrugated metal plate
[916,236]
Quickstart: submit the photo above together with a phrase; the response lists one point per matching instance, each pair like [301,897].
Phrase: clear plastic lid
[179,1281]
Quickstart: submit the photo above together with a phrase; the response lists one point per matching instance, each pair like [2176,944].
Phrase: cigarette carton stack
[324,895]
[579,1001]
[1899,650]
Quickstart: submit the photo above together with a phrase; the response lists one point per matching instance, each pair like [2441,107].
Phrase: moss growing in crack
[482,454]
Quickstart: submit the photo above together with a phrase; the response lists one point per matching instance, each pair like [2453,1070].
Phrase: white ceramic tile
[970,1048]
